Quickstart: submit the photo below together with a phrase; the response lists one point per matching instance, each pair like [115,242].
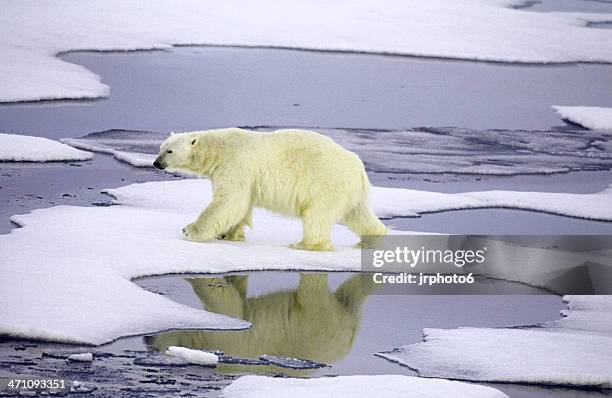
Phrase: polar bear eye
[168,151]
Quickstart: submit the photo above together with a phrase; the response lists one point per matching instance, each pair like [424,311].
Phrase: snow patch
[33,33]
[573,351]
[387,386]
[25,148]
[197,357]
[590,117]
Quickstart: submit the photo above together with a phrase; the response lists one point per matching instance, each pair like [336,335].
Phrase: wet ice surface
[421,150]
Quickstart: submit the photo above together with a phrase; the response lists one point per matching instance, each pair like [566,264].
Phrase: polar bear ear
[194,141]
[172,133]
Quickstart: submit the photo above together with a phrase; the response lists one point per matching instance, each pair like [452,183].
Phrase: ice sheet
[421,150]
[33,33]
[511,355]
[590,117]
[355,387]
[65,274]
[24,148]
[573,351]
[390,202]
[586,313]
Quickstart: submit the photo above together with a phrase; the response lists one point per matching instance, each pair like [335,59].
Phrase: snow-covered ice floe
[66,273]
[388,386]
[25,148]
[488,30]
[573,351]
[197,357]
[420,150]
[590,117]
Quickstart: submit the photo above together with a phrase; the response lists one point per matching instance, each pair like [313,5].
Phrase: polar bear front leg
[236,233]
[220,215]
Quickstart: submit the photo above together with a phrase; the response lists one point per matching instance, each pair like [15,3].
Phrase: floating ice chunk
[83,357]
[590,117]
[197,357]
[66,353]
[25,148]
[85,266]
[355,387]
[488,30]
[573,351]
[81,388]
[532,356]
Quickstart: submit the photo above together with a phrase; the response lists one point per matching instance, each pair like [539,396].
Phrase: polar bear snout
[159,164]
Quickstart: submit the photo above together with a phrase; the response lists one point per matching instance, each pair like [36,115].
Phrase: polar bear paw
[317,247]
[236,235]
[193,233]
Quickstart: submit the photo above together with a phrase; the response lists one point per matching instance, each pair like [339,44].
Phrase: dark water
[304,316]
[198,87]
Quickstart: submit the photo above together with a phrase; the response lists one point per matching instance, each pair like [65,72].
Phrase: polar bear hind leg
[363,222]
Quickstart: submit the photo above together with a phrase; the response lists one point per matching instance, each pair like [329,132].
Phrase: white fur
[293,172]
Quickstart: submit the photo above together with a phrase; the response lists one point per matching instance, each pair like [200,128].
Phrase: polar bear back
[297,169]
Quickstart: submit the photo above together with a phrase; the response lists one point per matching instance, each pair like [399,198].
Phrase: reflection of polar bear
[293,172]
[308,323]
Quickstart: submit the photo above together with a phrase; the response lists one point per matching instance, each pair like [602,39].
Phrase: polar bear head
[175,153]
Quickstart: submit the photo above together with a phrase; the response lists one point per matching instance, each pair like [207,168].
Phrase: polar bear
[296,173]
